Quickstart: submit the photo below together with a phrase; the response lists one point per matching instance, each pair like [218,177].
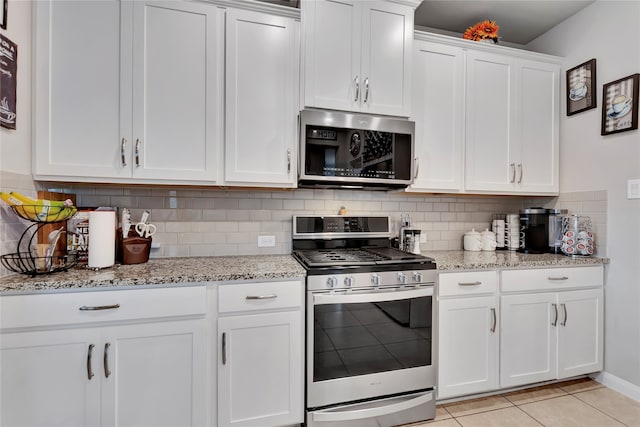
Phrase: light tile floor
[577,403]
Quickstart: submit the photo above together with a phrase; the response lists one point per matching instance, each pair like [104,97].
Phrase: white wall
[15,145]
[607,31]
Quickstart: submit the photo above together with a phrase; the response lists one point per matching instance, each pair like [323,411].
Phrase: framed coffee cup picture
[620,105]
[581,87]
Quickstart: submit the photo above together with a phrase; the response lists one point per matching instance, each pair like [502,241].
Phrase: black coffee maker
[534,223]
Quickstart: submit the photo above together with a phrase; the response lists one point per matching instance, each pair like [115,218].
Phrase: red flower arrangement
[485,30]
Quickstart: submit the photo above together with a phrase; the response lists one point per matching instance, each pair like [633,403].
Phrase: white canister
[102,239]
[472,241]
[488,240]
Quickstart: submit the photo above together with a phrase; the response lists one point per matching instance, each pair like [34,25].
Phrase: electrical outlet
[266,241]
[633,189]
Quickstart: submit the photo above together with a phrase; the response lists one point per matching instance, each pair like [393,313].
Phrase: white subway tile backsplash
[193,222]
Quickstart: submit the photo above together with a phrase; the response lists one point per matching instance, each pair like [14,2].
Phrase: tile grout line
[599,410]
[529,415]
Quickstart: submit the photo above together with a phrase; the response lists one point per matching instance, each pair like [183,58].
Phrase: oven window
[365,338]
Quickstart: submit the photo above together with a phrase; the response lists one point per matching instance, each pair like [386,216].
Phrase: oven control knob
[375,279]
[402,278]
[348,281]
[417,276]
[332,282]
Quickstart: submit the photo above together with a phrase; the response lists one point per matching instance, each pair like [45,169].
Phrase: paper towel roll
[102,239]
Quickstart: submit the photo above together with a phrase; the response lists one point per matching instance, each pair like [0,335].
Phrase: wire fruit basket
[26,260]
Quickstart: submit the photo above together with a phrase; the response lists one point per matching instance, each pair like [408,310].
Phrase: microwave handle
[329,415]
[416,162]
[320,299]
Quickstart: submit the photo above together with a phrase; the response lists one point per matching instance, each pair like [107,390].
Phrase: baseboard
[618,384]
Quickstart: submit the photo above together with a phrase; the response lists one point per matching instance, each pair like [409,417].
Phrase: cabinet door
[261,82]
[332,32]
[387,37]
[580,332]
[45,378]
[177,101]
[82,89]
[490,121]
[467,346]
[260,370]
[154,374]
[538,103]
[438,98]
[528,338]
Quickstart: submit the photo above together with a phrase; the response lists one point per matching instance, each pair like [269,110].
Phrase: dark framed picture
[620,105]
[3,14]
[581,87]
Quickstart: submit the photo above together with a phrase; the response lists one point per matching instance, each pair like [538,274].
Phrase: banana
[39,202]
[39,210]
[9,199]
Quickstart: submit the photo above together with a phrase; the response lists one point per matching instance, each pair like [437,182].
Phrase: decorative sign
[620,105]
[8,72]
[581,87]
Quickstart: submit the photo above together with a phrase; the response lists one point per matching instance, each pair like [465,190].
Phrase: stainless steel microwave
[346,150]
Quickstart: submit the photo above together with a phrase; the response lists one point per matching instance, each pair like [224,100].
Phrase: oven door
[368,344]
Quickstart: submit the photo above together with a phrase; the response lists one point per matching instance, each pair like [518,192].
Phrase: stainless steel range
[369,324]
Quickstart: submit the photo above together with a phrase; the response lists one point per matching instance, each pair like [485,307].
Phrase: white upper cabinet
[176,101]
[438,104]
[357,56]
[511,125]
[126,90]
[80,83]
[261,99]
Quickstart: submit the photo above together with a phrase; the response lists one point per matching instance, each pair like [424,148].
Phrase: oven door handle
[319,299]
[328,415]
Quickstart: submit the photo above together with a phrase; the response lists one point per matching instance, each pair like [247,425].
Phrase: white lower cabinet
[260,354]
[551,335]
[548,325]
[468,333]
[81,373]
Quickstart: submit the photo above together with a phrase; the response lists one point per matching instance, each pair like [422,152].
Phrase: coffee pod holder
[577,236]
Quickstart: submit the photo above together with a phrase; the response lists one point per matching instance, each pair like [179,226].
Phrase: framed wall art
[581,87]
[620,105]
[8,84]
[3,14]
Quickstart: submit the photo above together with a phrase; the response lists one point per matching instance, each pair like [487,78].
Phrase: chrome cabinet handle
[123,146]
[99,307]
[564,308]
[137,153]
[513,172]
[469,283]
[288,160]
[417,163]
[555,321]
[558,278]
[356,81]
[224,348]
[520,173]
[105,360]
[366,90]
[495,320]
[89,355]
[254,297]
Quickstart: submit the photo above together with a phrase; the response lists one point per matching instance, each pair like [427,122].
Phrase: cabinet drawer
[25,311]
[543,279]
[467,283]
[260,296]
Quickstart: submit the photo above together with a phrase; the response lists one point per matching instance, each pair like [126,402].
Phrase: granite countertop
[465,260]
[259,267]
[161,271]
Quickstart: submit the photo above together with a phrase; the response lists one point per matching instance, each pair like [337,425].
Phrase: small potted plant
[484,31]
